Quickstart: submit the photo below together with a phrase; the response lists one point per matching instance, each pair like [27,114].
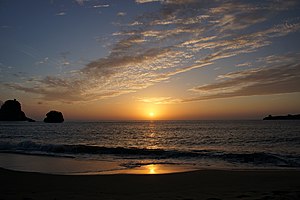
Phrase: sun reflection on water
[160,169]
[152,169]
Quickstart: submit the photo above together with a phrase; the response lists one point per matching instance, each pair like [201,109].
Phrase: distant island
[11,111]
[286,117]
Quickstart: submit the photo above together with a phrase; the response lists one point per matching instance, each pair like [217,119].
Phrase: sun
[151,114]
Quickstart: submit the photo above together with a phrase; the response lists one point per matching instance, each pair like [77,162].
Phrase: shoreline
[75,166]
[201,184]
[67,165]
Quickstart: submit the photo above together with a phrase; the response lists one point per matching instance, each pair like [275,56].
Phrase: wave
[255,158]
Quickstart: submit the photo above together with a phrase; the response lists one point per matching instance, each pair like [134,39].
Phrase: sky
[151,59]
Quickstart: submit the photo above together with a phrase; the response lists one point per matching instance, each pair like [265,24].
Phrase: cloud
[101,6]
[245,64]
[147,1]
[121,14]
[166,1]
[160,100]
[66,90]
[61,14]
[180,36]
[43,61]
[282,76]
[81,2]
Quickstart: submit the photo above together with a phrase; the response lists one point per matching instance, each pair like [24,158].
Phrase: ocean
[119,146]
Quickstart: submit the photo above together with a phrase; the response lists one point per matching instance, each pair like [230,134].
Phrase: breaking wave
[255,158]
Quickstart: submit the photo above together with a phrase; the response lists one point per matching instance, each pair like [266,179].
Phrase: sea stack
[11,111]
[54,117]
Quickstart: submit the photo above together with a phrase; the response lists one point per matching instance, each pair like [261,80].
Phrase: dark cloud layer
[281,75]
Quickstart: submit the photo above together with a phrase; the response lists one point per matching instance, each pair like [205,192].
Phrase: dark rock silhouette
[286,117]
[54,117]
[11,111]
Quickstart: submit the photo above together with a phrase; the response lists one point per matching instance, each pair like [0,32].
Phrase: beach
[201,184]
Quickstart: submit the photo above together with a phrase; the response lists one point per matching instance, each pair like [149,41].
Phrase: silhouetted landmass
[54,117]
[11,111]
[286,117]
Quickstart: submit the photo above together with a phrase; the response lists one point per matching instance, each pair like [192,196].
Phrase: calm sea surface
[215,144]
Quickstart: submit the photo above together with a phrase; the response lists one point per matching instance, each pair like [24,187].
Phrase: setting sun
[151,114]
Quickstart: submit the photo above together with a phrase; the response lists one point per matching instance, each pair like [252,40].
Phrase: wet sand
[203,184]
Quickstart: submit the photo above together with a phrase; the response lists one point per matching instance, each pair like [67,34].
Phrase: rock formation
[54,117]
[287,117]
[11,111]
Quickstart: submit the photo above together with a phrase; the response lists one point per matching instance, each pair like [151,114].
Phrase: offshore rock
[54,117]
[11,111]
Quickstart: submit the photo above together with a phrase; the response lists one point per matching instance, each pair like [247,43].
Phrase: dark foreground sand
[207,184]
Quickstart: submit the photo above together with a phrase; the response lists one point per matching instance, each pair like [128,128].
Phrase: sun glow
[151,114]
[152,169]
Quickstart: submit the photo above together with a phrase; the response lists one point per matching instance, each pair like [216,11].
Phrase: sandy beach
[205,184]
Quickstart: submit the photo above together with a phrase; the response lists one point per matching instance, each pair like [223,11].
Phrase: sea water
[113,146]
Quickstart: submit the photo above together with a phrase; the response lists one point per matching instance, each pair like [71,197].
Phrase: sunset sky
[151,59]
